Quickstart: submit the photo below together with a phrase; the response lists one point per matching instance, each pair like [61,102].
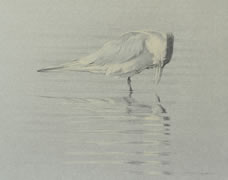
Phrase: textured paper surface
[73,125]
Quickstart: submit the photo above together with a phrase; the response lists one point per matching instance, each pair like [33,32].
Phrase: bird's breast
[156,45]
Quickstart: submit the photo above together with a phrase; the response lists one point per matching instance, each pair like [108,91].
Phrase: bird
[126,56]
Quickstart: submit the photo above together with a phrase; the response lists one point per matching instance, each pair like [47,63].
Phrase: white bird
[126,56]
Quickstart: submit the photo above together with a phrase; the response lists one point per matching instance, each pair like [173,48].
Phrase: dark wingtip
[49,69]
[40,70]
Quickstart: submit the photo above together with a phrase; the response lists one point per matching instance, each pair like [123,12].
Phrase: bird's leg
[129,84]
[130,94]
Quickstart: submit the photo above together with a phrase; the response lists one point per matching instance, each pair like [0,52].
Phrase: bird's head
[169,49]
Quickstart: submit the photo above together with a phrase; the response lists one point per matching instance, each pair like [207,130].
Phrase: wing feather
[118,51]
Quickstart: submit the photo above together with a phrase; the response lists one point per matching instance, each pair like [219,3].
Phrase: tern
[127,55]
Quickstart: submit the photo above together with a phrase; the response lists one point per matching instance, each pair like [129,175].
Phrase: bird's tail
[51,69]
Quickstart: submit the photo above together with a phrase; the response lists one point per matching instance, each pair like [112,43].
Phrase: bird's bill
[158,73]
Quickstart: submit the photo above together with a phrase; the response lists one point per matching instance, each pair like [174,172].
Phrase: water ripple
[118,131]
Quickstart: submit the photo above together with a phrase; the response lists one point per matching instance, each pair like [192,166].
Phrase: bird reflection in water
[119,131]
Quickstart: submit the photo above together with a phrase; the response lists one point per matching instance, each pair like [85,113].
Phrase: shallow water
[70,125]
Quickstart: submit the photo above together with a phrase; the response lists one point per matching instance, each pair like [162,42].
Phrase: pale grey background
[63,126]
